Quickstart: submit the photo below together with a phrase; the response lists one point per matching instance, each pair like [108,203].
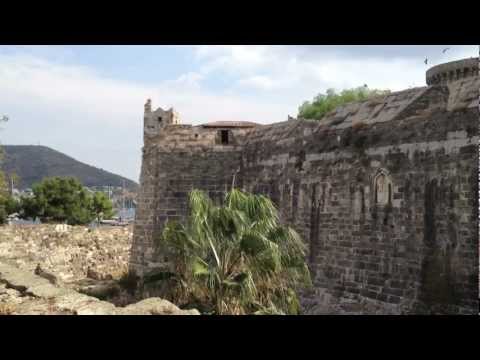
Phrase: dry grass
[120,273]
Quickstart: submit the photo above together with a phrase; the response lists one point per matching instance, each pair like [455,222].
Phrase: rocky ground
[81,272]
[71,253]
[23,293]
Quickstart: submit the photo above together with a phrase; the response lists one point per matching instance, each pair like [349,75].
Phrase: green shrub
[324,103]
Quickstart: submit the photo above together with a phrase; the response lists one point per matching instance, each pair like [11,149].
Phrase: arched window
[382,187]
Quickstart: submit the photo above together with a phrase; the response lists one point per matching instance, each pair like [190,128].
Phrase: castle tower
[448,73]
[154,121]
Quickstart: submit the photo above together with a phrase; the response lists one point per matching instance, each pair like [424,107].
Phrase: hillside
[32,163]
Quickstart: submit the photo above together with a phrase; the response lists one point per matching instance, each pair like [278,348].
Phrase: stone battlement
[452,71]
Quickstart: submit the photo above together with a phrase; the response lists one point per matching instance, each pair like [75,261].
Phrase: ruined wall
[71,253]
[384,192]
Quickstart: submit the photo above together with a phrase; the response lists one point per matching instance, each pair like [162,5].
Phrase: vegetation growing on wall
[324,103]
[236,258]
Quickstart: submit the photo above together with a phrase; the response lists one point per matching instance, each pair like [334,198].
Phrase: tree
[3,200]
[3,215]
[8,205]
[29,208]
[234,259]
[3,188]
[102,206]
[324,103]
[12,205]
[59,199]
[3,118]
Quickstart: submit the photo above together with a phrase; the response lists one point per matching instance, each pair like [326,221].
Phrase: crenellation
[452,71]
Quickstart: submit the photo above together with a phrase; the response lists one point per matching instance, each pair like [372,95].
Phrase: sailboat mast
[123,193]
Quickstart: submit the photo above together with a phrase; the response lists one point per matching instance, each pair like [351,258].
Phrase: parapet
[452,71]
[230,124]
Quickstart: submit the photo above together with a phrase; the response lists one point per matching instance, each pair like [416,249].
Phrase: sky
[87,101]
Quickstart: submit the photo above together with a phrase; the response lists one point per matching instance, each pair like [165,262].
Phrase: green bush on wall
[324,103]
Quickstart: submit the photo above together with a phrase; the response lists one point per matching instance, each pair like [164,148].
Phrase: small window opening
[224,137]
[159,119]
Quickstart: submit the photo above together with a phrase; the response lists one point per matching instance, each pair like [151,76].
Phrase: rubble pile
[70,270]
[71,253]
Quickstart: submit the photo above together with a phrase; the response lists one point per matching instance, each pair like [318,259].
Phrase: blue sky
[87,101]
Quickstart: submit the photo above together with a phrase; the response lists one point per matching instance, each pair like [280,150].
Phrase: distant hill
[32,163]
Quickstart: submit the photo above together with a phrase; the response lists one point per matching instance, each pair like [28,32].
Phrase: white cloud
[315,68]
[261,82]
[99,120]
[237,59]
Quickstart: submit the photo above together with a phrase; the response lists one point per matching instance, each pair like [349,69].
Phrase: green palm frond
[199,267]
[237,258]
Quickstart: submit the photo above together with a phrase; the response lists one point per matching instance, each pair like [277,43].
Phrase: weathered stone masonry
[384,192]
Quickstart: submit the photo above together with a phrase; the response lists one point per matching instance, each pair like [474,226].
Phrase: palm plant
[236,258]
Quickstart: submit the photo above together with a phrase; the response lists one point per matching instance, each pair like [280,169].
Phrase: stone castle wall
[184,158]
[383,191]
[422,245]
[452,71]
